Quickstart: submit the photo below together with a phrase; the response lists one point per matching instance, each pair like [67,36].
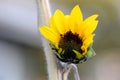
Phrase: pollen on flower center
[70,42]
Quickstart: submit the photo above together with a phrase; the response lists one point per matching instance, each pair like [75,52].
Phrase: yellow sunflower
[70,36]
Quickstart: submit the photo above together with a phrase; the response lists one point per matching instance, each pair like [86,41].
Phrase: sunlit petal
[75,18]
[50,34]
[59,21]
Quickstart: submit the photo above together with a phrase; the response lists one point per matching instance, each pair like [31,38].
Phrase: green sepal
[78,54]
[56,51]
[90,53]
[52,46]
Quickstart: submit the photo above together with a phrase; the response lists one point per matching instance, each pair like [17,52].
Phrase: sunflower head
[70,36]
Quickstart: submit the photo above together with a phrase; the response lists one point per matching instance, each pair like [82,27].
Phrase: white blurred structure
[18,27]
[18,21]
[11,62]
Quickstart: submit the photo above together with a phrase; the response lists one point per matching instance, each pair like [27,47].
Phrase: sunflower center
[70,42]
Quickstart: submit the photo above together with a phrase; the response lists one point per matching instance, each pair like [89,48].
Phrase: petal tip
[57,12]
[95,16]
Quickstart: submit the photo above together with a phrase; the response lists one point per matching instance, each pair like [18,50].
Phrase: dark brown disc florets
[68,43]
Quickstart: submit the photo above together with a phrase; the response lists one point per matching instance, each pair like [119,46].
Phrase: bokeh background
[21,55]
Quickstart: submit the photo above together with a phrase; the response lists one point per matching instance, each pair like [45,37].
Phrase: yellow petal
[89,29]
[67,23]
[75,18]
[89,21]
[76,14]
[52,24]
[92,27]
[80,30]
[84,48]
[73,25]
[59,21]
[50,34]
[91,18]
[88,40]
[88,26]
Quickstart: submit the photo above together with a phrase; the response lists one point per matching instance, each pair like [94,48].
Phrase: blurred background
[21,55]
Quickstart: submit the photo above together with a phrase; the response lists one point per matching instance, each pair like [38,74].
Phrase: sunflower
[70,36]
